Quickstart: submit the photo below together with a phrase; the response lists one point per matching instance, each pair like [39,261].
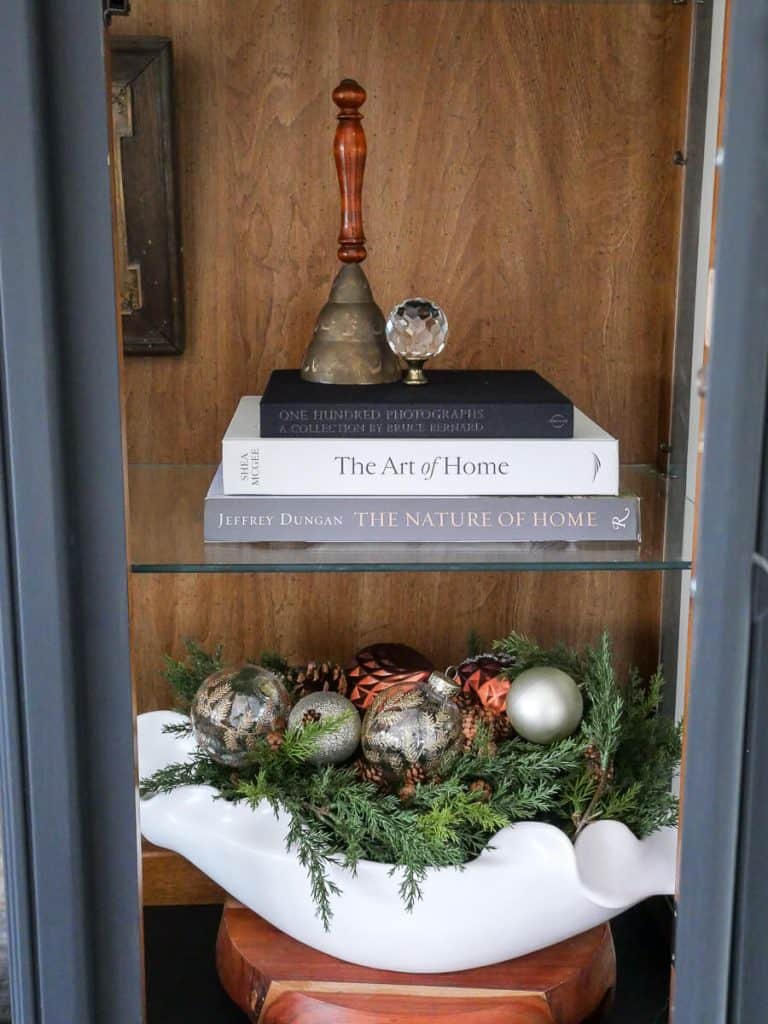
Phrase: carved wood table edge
[276,980]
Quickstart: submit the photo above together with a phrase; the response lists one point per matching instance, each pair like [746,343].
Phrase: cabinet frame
[721,938]
[67,775]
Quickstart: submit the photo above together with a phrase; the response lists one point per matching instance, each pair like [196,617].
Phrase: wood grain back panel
[520,172]
[319,615]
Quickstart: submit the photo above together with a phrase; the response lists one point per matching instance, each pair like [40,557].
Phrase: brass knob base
[415,372]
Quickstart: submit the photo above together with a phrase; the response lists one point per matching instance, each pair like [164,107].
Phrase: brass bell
[349,344]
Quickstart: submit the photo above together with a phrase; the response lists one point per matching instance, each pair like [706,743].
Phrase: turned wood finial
[349,149]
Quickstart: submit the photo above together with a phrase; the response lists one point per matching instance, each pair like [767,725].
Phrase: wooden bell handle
[349,149]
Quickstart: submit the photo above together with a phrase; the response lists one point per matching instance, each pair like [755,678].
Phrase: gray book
[346,519]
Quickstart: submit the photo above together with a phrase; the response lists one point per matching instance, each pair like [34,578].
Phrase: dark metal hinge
[759,587]
[119,7]
[664,460]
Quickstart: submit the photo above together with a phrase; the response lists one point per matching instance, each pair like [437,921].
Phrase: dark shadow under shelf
[166,535]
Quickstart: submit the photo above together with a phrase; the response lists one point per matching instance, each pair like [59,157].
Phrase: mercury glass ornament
[413,725]
[342,742]
[235,709]
[417,330]
[544,704]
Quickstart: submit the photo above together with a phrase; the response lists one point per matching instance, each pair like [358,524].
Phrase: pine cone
[483,788]
[311,715]
[368,772]
[470,720]
[317,676]
[407,793]
[467,699]
[499,726]
[495,728]
[416,775]
[502,728]
[275,740]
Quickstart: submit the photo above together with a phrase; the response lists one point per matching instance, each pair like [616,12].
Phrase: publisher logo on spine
[558,421]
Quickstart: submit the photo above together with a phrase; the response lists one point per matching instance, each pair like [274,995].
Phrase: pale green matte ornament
[544,704]
[340,744]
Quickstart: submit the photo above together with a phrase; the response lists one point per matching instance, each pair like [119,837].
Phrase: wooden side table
[276,980]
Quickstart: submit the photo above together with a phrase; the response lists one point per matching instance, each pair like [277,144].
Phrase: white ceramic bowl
[534,888]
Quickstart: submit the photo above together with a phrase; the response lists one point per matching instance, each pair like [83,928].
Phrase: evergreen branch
[275,662]
[180,729]
[198,771]
[527,653]
[185,677]
[409,889]
[314,850]
[301,742]
[602,723]
[475,644]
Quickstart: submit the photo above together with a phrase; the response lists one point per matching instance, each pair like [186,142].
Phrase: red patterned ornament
[482,677]
[379,666]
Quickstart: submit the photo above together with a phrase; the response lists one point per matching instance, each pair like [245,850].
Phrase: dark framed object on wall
[146,210]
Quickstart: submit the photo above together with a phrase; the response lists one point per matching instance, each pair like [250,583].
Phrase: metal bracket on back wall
[111,7]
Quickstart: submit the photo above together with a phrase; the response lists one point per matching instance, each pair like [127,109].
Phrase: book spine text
[419,467]
[402,421]
[398,520]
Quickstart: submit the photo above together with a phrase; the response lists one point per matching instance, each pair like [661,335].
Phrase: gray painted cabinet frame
[66,720]
[722,940]
[67,748]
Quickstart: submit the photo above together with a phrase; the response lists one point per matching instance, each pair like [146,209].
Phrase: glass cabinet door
[167,238]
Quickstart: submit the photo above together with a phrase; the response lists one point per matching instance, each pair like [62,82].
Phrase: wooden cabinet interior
[307,615]
[521,171]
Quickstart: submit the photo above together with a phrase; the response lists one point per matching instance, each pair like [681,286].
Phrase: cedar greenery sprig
[180,729]
[185,677]
[300,742]
[620,764]
[527,653]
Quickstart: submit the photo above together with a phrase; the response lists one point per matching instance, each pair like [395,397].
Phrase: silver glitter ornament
[342,742]
[235,709]
[544,704]
[413,725]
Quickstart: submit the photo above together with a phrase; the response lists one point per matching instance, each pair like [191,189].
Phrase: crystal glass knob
[417,330]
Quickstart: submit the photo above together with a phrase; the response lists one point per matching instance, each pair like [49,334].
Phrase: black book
[455,403]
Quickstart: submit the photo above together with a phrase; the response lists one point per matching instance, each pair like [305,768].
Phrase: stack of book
[475,456]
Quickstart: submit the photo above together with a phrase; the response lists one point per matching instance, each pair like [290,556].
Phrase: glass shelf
[166,535]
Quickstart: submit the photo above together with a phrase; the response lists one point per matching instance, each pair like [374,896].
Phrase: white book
[586,464]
